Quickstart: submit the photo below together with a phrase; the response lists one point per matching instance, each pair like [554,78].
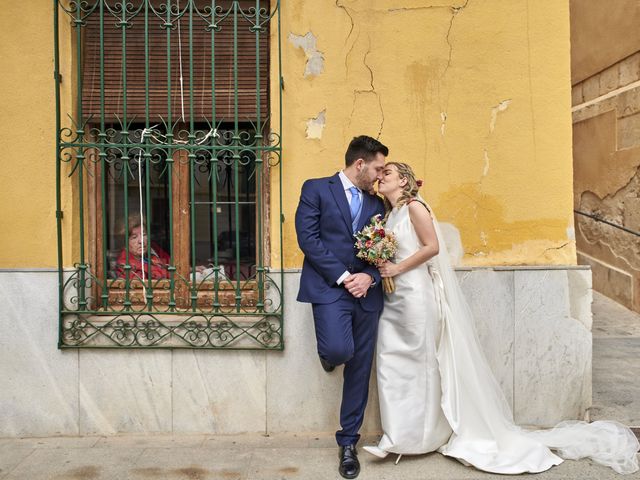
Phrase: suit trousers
[346,334]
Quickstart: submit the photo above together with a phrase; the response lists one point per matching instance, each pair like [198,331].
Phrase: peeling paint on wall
[483,224]
[484,238]
[601,166]
[485,170]
[614,208]
[606,155]
[430,98]
[501,107]
[315,126]
[308,43]
[490,49]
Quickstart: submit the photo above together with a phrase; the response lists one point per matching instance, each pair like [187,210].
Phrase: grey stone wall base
[534,323]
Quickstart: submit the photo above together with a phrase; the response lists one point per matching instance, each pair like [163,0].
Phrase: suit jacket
[323,226]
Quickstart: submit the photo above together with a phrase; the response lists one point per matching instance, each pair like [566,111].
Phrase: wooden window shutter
[158,85]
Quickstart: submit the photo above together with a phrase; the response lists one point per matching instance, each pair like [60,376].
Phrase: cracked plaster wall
[423,75]
[606,136]
[473,94]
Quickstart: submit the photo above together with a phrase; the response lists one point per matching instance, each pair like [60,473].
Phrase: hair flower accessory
[419,183]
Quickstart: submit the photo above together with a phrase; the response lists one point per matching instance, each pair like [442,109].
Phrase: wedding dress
[437,391]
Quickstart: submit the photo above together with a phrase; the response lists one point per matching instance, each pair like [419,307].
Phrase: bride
[435,386]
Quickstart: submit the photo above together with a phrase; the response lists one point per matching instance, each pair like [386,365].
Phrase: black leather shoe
[349,465]
[326,365]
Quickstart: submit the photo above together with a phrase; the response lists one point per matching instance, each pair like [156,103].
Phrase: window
[169,159]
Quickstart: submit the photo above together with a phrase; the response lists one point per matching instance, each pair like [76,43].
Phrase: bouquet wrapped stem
[377,246]
[388,285]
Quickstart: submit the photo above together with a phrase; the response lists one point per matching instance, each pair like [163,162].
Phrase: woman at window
[155,262]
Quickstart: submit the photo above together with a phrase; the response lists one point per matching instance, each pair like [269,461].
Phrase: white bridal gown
[437,391]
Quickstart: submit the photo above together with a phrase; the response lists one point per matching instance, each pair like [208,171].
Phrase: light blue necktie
[355,207]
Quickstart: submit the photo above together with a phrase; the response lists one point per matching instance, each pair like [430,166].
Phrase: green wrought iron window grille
[169,165]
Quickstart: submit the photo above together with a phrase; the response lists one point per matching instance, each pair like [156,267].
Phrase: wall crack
[429,7]
[346,57]
[454,12]
[350,19]
[371,90]
[557,248]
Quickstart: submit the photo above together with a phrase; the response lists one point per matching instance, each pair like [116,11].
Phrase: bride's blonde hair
[410,189]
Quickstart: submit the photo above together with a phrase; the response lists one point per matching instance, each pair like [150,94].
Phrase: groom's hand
[358,284]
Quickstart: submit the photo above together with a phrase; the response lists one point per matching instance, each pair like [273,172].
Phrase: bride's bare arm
[423,225]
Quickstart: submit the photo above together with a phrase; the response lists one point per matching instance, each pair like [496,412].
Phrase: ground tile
[191,463]
[75,464]
[155,441]
[11,456]
[50,442]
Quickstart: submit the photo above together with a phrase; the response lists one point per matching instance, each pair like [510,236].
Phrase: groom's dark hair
[363,147]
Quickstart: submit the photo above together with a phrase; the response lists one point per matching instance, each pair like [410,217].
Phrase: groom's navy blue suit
[345,326]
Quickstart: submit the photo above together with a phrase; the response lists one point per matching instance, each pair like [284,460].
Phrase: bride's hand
[389,269]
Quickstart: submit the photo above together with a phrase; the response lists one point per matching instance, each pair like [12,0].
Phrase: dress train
[437,391]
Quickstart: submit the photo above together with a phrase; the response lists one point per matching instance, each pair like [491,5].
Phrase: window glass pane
[229,223]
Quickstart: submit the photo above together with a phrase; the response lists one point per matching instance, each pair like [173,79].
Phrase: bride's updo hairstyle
[410,189]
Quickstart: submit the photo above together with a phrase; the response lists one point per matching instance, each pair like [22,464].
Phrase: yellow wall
[389,69]
[27,136]
[505,183]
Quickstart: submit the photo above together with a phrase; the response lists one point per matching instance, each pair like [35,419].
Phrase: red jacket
[159,262]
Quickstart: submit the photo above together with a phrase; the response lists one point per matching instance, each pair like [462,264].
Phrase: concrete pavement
[616,362]
[255,457]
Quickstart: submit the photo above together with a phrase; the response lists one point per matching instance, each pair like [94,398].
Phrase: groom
[345,292]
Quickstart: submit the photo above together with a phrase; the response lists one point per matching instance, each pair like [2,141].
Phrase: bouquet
[376,246]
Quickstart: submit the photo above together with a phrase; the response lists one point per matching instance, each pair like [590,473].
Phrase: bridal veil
[485,434]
